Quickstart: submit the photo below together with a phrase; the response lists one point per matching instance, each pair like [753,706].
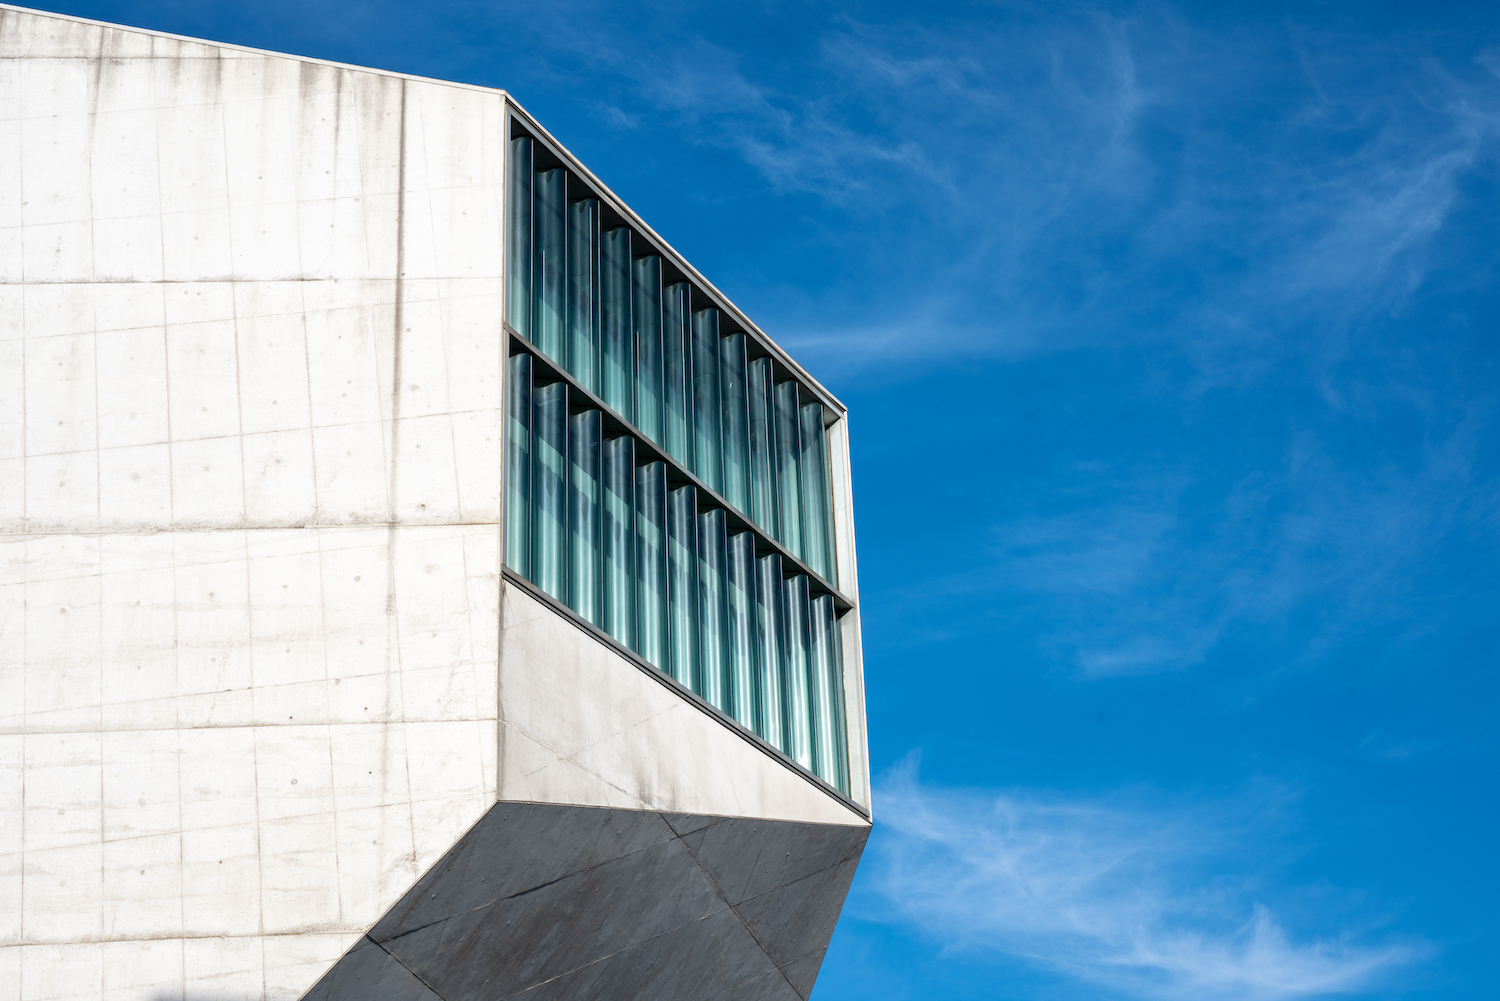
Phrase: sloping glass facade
[667,479]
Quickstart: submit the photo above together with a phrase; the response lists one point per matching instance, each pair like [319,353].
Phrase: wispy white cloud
[1035,179]
[1162,902]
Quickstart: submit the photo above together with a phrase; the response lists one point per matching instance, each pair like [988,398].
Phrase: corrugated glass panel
[549,493]
[583,292]
[708,435]
[682,584]
[713,609]
[758,383]
[617,374]
[788,455]
[618,461]
[585,517]
[677,383]
[550,225]
[770,648]
[742,693]
[736,421]
[518,236]
[831,752]
[647,314]
[817,500]
[518,463]
[651,562]
[798,669]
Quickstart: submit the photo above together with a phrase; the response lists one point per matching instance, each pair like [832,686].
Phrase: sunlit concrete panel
[582,724]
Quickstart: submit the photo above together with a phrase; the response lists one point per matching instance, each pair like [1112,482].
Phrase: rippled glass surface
[617,364]
[736,420]
[682,584]
[742,697]
[647,313]
[677,382]
[770,648]
[796,678]
[549,313]
[713,609]
[549,489]
[760,408]
[585,515]
[518,236]
[830,752]
[707,433]
[788,456]
[651,562]
[583,292]
[817,500]
[518,463]
[618,462]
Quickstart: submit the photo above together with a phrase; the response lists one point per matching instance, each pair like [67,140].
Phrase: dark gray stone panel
[795,921]
[511,851]
[557,903]
[748,857]
[523,940]
[771,986]
[369,972]
[692,963]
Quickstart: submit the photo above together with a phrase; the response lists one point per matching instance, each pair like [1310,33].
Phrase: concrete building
[416,580]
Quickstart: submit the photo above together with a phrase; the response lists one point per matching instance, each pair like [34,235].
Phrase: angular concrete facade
[274,719]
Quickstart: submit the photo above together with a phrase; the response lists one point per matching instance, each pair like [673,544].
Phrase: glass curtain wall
[704,396]
[641,548]
[597,523]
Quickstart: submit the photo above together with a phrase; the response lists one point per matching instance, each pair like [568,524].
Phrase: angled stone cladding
[262,682]
[565,902]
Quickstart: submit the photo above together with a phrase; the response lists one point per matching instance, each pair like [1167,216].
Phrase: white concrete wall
[249,505]
[251,668]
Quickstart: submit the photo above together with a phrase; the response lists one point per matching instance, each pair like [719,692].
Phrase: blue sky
[1169,335]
